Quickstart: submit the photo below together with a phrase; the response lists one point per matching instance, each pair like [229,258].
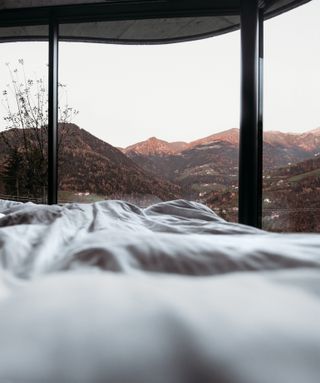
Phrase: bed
[110,292]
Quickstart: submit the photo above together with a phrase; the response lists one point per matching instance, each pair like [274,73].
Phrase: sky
[184,91]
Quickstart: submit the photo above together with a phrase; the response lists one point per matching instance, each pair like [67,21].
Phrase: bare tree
[25,137]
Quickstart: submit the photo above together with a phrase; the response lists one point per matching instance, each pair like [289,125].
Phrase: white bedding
[108,292]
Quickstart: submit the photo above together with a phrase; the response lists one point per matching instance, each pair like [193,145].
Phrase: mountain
[180,162]
[307,141]
[194,169]
[154,146]
[211,163]
[299,171]
[88,164]
[279,150]
[231,136]
[291,197]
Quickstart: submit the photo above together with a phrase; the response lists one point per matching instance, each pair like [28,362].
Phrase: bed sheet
[109,292]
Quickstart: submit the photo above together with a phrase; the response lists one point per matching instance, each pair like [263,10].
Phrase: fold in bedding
[179,237]
[109,292]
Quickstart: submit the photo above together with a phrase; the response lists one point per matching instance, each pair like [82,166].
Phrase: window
[23,117]
[291,180]
[155,122]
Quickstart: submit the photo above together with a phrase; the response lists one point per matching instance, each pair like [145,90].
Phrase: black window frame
[251,118]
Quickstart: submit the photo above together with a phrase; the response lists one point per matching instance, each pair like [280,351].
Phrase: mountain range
[212,162]
[205,169]
[305,142]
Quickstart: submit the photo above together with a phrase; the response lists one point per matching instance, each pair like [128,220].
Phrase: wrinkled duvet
[109,292]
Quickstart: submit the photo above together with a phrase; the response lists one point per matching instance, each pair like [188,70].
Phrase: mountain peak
[231,136]
[154,146]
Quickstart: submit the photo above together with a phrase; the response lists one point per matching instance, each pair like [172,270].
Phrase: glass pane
[23,120]
[291,195]
[155,122]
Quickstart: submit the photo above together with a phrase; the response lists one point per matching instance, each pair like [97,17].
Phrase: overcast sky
[184,91]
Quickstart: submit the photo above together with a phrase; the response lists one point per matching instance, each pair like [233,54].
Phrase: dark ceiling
[127,21]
